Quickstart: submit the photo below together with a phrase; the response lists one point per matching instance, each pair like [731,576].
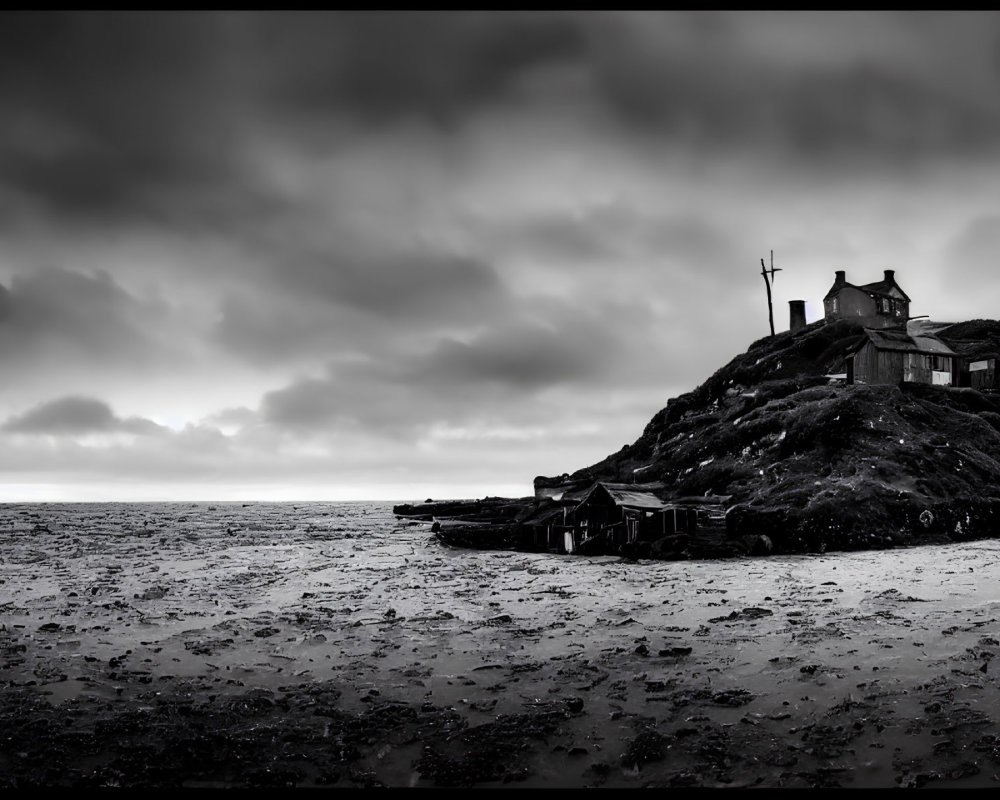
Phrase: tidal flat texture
[179,644]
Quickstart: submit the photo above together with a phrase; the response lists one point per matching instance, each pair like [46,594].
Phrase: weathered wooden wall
[872,365]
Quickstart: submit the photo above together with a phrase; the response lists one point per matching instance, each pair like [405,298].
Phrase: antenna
[767,283]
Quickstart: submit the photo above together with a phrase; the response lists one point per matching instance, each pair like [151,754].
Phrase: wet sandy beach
[332,644]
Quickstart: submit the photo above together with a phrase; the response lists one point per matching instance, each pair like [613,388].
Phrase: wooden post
[767,283]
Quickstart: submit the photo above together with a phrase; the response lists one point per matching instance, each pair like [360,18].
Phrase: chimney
[888,275]
[840,276]
[797,314]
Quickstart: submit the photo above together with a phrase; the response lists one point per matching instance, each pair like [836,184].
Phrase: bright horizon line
[252,493]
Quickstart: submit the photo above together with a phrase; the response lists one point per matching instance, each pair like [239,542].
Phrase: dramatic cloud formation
[395,254]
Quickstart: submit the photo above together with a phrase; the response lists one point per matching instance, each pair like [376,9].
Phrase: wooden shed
[980,374]
[977,343]
[894,357]
[609,515]
[546,530]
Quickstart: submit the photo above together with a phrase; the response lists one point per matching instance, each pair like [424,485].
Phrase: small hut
[607,516]
[895,357]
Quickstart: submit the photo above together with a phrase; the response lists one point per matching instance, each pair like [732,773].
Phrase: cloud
[526,356]
[514,372]
[406,284]
[383,67]
[77,415]
[159,118]
[355,301]
[335,243]
[107,114]
[854,91]
[155,117]
[65,314]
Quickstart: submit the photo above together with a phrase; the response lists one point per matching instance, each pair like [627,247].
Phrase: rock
[646,747]
[732,697]
[574,704]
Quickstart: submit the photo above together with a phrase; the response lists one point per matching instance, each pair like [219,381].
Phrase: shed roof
[886,339]
[636,499]
[625,495]
[546,516]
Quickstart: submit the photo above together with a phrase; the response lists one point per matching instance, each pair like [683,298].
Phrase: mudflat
[333,644]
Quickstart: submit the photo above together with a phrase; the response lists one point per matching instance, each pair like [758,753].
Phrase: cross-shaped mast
[767,283]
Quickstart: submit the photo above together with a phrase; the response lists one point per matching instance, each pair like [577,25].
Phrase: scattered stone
[733,697]
[746,614]
[648,746]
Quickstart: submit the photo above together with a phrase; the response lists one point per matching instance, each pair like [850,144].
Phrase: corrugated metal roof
[631,495]
[636,499]
[581,494]
[929,344]
[926,327]
[623,494]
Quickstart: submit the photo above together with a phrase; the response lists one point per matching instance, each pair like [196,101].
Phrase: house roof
[882,287]
[887,339]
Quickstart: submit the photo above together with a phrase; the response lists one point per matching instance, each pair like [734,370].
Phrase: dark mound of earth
[816,465]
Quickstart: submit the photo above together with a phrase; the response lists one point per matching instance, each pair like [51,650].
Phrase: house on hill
[895,356]
[875,305]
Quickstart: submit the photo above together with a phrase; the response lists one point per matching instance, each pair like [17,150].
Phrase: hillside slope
[817,465]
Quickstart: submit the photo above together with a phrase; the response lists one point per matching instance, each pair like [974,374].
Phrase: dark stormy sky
[337,255]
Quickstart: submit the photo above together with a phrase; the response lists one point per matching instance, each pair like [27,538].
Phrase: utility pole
[767,283]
